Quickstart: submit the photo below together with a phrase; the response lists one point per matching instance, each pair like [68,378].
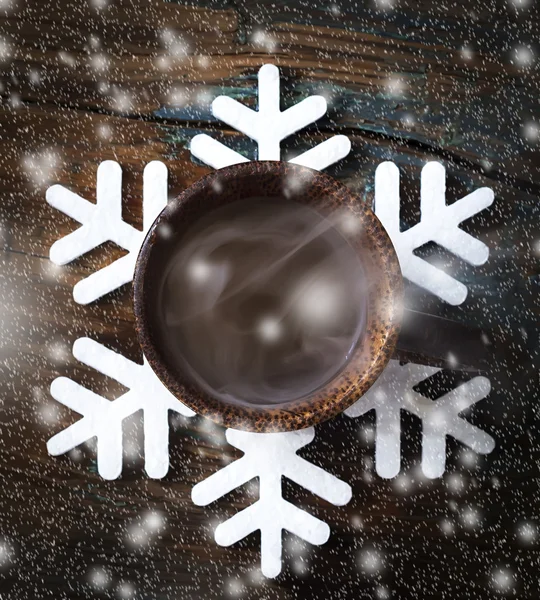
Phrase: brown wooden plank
[60,117]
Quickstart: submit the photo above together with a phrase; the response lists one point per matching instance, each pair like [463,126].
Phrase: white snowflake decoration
[267,456]
[439,223]
[393,392]
[271,456]
[102,418]
[102,222]
[268,126]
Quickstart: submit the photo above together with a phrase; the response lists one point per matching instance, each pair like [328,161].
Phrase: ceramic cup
[368,239]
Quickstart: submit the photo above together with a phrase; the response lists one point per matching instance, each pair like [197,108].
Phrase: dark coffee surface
[262,301]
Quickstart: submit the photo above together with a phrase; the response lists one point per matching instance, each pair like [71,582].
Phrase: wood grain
[132,82]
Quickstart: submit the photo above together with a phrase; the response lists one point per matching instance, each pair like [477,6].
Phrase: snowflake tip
[84,293]
[109,168]
[156,168]
[221,105]
[214,153]
[52,448]
[58,386]
[52,192]
[82,346]
[435,169]
[269,71]
[198,497]
[343,496]
[225,535]
[155,191]
[324,154]
[458,295]
[489,447]
[57,255]
[271,571]
[80,296]
[483,385]
[322,533]
[481,257]
[387,167]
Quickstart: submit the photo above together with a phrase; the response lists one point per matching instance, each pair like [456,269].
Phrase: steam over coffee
[262,301]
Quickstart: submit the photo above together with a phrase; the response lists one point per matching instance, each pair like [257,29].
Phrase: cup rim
[368,359]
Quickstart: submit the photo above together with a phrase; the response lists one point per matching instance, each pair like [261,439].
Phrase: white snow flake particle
[268,126]
[40,166]
[527,532]
[371,561]
[126,590]
[439,223]
[99,578]
[382,592]
[271,456]
[531,131]
[103,418]
[467,53]
[522,56]
[263,40]
[447,527]
[503,580]
[7,553]
[471,517]
[6,49]
[393,392]
[102,222]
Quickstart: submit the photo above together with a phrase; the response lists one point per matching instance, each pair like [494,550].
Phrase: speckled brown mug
[369,240]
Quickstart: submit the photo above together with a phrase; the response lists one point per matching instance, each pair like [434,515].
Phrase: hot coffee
[262,301]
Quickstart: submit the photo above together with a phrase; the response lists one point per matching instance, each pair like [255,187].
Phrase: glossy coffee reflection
[262,300]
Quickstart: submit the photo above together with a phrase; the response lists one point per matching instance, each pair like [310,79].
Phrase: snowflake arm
[103,418]
[324,154]
[270,456]
[268,126]
[444,420]
[438,223]
[214,153]
[102,222]
[393,392]
[108,430]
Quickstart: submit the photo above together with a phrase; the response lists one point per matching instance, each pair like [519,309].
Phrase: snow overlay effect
[267,456]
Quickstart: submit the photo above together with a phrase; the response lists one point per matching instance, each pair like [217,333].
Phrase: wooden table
[132,81]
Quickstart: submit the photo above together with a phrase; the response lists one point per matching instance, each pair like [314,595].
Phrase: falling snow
[133,82]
